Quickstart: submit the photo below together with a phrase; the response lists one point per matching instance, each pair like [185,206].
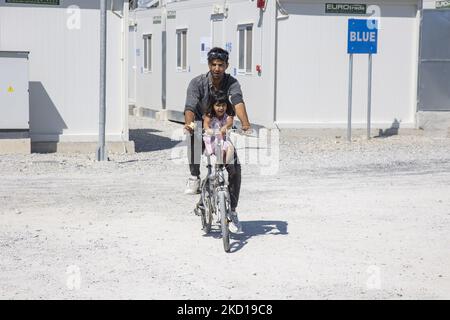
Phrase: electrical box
[14,94]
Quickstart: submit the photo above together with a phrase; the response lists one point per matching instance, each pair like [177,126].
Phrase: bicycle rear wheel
[224,222]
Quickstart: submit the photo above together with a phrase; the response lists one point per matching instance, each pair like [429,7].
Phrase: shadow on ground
[389,132]
[145,140]
[252,229]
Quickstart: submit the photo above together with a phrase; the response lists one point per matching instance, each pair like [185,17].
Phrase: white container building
[300,48]
[63,41]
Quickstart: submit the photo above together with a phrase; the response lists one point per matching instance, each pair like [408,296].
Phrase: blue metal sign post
[362,39]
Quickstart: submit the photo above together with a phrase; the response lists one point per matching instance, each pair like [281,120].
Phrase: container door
[434,68]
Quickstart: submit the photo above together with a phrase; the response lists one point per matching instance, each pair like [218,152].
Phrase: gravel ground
[322,219]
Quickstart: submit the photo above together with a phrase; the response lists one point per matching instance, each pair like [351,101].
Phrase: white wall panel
[313,68]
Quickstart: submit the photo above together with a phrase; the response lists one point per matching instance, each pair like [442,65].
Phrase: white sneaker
[193,186]
[235,225]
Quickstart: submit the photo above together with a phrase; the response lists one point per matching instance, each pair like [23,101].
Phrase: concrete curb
[82,147]
[15,146]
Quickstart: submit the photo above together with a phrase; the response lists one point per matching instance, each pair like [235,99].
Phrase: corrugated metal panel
[434,77]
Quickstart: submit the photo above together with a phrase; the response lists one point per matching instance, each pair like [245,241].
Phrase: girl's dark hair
[219,98]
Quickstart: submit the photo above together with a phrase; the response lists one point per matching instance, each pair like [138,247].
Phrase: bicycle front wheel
[224,222]
[207,208]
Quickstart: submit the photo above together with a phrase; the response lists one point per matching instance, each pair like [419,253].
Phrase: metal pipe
[163,55]
[350,93]
[369,98]
[101,152]
[275,7]
[125,72]
[419,56]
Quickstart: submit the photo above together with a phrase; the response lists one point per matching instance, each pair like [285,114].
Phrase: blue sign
[362,36]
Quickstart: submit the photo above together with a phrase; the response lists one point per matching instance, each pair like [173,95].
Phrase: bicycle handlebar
[213,132]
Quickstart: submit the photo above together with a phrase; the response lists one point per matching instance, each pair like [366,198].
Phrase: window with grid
[245,40]
[147,52]
[181,49]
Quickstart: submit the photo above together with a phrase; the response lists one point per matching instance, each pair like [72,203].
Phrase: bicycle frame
[217,182]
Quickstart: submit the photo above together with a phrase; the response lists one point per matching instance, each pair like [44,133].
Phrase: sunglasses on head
[218,55]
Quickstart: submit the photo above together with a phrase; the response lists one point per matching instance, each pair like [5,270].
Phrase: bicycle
[215,199]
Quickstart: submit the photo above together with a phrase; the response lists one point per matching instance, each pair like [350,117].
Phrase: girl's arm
[228,125]
[206,122]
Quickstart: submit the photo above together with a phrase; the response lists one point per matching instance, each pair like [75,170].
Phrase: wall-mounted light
[261,4]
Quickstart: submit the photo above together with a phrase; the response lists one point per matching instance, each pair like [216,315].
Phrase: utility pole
[101,151]
[164,53]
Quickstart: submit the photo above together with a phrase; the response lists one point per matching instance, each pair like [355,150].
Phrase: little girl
[219,117]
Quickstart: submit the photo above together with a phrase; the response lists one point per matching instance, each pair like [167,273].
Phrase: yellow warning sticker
[10,89]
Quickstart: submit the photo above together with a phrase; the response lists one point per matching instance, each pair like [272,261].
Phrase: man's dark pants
[195,150]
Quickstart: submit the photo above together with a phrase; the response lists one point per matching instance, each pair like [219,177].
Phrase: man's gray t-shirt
[200,90]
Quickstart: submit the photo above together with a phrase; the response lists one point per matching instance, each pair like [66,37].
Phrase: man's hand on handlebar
[189,127]
[246,126]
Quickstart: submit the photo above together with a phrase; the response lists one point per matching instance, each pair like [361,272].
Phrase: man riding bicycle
[200,92]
